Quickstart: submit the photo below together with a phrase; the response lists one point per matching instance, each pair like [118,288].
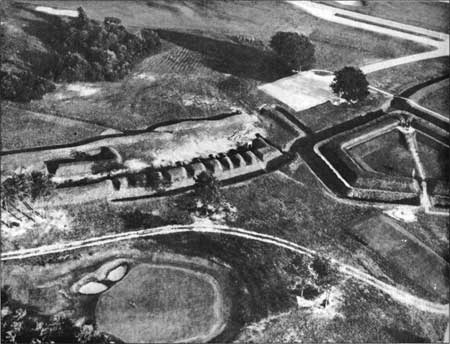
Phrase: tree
[295,50]
[207,188]
[351,84]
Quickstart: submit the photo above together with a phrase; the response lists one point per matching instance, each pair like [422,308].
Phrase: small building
[177,174]
[195,168]
[237,160]
[214,166]
[267,153]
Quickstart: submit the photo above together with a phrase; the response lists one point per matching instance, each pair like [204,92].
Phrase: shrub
[351,84]
[26,186]
[295,50]
[23,86]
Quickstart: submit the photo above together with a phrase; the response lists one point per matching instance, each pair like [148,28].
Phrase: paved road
[438,40]
[397,294]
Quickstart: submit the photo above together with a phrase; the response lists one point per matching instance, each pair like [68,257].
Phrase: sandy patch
[83,90]
[57,12]
[21,223]
[117,273]
[401,213]
[303,90]
[145,76]
[135,165]
[75,90]
[92,288]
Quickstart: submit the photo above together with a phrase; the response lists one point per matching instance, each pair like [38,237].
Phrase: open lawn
[432,15]
[398,79]
[161,304]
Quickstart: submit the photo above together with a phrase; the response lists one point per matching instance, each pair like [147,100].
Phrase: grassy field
[432,15]
[40,130]
[435,97]
[384,321]
[327,115]
[400,78]
[405,254]
[159,304]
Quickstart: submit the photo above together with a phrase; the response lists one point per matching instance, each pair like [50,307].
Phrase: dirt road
[397,294]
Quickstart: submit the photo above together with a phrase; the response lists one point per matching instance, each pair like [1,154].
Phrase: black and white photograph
[224,171]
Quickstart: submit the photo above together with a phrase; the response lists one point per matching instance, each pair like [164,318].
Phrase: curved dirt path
[397,294]
[438,40]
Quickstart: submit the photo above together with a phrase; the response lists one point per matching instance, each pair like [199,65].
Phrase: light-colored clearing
[145,76]
[58,12]
[92,288]
[117,273]
[303,90]
[405,214]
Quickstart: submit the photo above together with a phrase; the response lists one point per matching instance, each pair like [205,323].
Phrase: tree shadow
[231,58]
[402,336]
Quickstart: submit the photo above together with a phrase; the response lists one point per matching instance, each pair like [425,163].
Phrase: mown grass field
[432,15]
[159,304]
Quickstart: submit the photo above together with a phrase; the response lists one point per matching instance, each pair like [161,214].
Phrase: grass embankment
[432,15]
[387,154]
[327,115]
[435,97]
[400,78]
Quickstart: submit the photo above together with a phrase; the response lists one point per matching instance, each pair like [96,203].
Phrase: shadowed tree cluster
[294,49]
[351,84]
[81,50]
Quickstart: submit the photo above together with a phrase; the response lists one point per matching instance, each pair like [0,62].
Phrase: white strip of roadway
[329,13]
[394,292]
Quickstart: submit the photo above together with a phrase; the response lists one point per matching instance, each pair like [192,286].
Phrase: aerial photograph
[225,171]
